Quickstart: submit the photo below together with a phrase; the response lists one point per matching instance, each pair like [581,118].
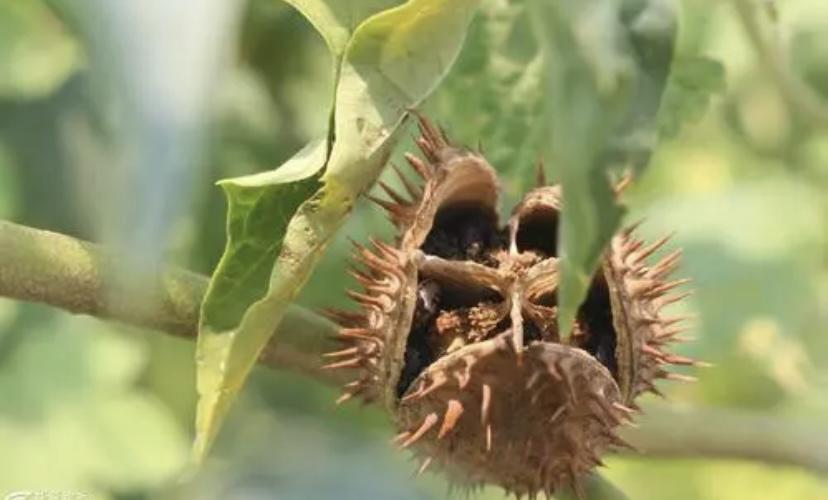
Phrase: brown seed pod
[457,336]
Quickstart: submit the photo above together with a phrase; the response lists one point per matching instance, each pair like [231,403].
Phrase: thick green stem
[84,278]
[50,268]
[709,432]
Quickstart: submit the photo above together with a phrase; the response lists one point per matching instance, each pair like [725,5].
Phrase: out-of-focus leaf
[393,60]
[607,66]
[75,418]
[753,250]
[36,53]
[494,93]
[694,80]
[808,53]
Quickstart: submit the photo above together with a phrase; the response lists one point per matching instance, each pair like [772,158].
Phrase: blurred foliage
[743,182]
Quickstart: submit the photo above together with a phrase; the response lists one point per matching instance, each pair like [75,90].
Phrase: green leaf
[73,380]
[607,66]
[36,53]
[392,61]
[694,80]
[336,20]
[493,95]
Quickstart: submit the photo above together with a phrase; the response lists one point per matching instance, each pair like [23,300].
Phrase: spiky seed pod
[457,336]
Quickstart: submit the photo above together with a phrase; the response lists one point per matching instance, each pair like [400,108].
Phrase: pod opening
[466,231]
[447,316]
[538,232]
[597,333]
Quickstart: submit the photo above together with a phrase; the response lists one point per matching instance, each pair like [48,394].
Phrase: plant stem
[79,277]
[84,278]
[710,432]
[596,487]
[798,94]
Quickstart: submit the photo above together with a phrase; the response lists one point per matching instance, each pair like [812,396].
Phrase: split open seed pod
[457,333]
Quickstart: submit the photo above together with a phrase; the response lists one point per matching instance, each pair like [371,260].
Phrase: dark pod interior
[594,319]
[435,297]
[469,232]
[465,232]
[538,232]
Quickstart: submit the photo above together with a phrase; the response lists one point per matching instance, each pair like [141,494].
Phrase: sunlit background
[115,121]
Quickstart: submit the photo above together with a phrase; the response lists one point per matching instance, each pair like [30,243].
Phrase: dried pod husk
[457,335]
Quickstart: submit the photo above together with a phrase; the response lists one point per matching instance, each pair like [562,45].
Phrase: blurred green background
[90,406]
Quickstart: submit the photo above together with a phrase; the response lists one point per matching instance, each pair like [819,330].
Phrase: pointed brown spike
[631,246]
[428,423]
[666,265]
[351,351]
[427,148]
[640,287]
[624,183]
[652,351]
[359,334]
[642,254]
[485,403]
[361,278]
[672,333]
[575,481]
[469,362]
[368,300]
[388,206]
[625,409]
[344,318]
[354,243]
[675,359]
[400,437]
[607,407]
[374,261]
[629,230]
[348,363]
[570,384]
[431,133]
[454,409]
[533,379]
[680,378]
[620,442]
[344,397]
[395,196]
[416,394]
[651,387]
[413,191]
[560,411]
[552,369]
[462,380]
[666,287]
[666,322]
[593,457]
[648,320]
[439,379]
[540,173]
[424,466]
[388,252]
[422,168]
[666,301]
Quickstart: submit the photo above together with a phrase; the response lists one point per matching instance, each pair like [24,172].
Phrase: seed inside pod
[458,334]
